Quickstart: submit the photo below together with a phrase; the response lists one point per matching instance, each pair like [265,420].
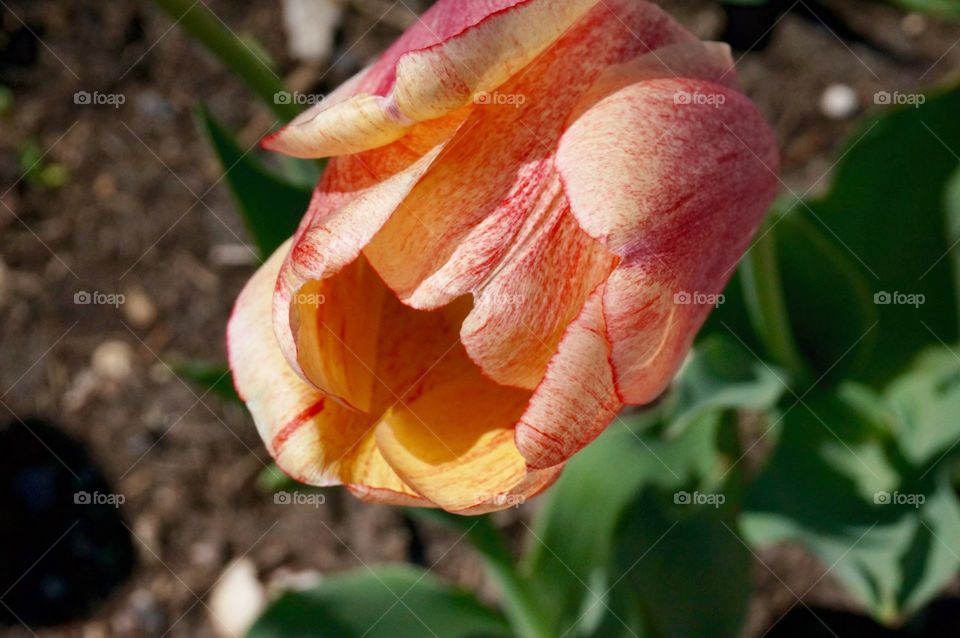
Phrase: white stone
[839,101]
[113,360]
[311,26]
[237,599]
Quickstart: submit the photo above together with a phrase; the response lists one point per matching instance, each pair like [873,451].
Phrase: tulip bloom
[526,204]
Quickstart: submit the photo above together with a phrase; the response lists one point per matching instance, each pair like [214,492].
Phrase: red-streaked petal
[457,224]
[444,427]
[355,196]
[456,50]
[674,175]
[520,316]
[533,484]
[313,438]
[576,399]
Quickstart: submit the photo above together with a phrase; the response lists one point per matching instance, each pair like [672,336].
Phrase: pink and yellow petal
[577,398]
[676,187]
[313,439]
[454,51]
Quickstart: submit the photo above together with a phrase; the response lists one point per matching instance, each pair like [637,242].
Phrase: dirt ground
[142,213]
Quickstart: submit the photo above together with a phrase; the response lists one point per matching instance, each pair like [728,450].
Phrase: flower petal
[487,217]
[454,51]
[313,439]
[674,175]
[355,196]
[445,428]
[576,399]
[521,314]
[471,205]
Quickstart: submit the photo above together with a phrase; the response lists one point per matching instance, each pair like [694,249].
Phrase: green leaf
[886,210]
[721,374]
[271,207]
[571,543]
[926,401]
[211,377]
[244,60]
[685,567]
[383,602]
[828,298]
[837,484]
[946,8]
[819,280]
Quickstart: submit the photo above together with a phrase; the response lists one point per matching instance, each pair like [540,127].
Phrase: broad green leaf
[383,602]
[271,207]
[886,210]
[819,281]
[837,485]
[926,401]
[684,566]
[721,374]
[829,300]
[571,541]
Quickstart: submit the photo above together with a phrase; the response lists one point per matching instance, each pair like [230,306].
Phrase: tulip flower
[529,209]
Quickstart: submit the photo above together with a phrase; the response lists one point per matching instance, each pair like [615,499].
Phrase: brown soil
[143,213]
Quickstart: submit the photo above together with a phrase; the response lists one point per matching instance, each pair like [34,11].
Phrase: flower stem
[238,57]
[766,306]
[523,612]
[519,605]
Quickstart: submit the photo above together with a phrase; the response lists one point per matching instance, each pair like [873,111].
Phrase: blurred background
[121,254]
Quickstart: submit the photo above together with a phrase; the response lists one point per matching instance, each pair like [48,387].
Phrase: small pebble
[311,26]
[138,308]
[913,24]
[113,360]
[232,255]
[237,599]
[839,101]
